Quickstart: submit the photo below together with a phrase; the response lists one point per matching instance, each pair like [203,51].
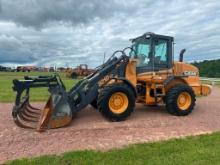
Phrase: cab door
[162,54]
[153,54]
[143,54]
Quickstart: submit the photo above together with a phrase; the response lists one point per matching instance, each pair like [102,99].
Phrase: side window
[161,52]
[142,54]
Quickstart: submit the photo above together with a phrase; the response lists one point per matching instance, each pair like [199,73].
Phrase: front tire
[180,100]
[116,102]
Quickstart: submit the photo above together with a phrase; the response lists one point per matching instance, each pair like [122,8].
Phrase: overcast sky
[70,32]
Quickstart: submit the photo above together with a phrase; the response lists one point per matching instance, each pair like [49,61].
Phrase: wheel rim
[118,102]
[184,101]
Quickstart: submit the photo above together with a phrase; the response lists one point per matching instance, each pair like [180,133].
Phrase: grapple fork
[56,112]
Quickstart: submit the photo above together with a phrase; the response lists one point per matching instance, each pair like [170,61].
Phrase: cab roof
[153,35]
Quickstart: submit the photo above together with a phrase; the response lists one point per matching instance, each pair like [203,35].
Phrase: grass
[37,94]
[203,149]
[217,83]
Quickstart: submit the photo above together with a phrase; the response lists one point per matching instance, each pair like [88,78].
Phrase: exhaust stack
[181,55]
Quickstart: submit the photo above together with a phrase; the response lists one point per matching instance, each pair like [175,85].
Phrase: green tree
[208,68]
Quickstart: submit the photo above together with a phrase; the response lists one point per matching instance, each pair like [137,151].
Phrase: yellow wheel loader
[143,73]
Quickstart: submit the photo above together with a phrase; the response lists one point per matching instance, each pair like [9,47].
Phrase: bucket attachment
[56,113]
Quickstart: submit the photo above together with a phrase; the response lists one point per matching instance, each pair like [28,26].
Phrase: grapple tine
[20,124]
[25,112]
[31,107]
[37,113]
[32,110]
[21,116]
[24,117]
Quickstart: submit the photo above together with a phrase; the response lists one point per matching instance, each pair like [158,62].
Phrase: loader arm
[61,105]
[87,89]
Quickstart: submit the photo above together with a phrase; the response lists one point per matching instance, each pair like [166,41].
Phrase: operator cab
[153,52]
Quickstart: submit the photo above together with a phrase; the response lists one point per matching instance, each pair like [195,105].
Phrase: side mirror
[181,55]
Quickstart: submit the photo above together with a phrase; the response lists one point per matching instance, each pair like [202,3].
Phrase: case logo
[189,73]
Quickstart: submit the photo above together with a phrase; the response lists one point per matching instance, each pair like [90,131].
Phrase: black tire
[105,95]
[172,99]
[94,104]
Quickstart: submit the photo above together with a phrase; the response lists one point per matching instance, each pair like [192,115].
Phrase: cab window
[141,52]
[161,52]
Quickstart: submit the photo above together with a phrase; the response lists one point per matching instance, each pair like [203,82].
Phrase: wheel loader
[143,73]
[81,70]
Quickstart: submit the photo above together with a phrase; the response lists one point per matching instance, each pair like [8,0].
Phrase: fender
[171,78]
[173,81]
[127,82]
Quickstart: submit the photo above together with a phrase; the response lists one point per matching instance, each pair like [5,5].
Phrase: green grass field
[38,94]
[197,150]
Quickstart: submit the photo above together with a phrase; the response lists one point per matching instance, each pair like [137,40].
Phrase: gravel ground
[89,130]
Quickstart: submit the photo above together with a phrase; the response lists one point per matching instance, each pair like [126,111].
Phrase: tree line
[208,68]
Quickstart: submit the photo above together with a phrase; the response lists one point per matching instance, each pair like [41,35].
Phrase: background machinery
[81,70]
[146,75]
[26,68]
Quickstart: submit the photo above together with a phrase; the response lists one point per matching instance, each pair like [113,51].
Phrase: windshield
[141,52]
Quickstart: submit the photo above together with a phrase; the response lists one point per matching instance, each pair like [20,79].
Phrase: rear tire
[180,100]
[116,102]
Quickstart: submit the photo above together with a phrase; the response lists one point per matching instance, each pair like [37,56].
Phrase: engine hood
[184,69]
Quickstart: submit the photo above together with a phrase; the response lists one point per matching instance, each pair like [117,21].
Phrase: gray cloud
[72,34]
[36,13]
[13,50]
[0,7]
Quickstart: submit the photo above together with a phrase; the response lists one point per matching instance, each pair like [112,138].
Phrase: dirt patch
[89,130]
